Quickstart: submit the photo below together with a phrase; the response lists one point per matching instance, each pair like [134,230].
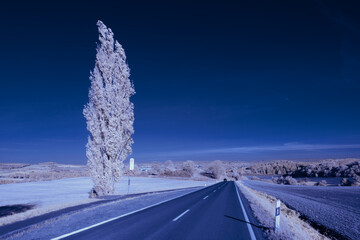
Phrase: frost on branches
[109,114]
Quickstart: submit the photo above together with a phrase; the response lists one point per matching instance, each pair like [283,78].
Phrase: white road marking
[206,197]
[115,218]
[180,215]
[252,235]
[214,191]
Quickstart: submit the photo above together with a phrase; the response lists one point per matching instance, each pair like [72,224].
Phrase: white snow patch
[53,195]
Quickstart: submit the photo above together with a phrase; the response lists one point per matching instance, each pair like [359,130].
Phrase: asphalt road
[214,212]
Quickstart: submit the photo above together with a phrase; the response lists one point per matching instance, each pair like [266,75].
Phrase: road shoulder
[291,226]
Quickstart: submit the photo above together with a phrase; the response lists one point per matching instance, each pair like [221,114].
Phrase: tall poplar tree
[109,114]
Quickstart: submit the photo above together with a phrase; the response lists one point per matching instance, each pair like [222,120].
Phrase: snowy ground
[337,208]
[52,195]
[85,217]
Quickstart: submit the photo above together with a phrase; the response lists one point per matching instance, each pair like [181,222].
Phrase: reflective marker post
[131,168]
[277,216]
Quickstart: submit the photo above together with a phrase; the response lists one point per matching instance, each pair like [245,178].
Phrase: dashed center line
[180,215]
[206,197]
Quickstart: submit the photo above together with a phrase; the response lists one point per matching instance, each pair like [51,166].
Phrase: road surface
[215,212]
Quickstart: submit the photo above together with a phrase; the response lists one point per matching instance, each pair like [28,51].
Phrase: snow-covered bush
[321,183]
[354,181]
[189,168]
[168,168]
[234,174]
[217,169]
[345,182]
[288,180]
[109,114]
[275,180]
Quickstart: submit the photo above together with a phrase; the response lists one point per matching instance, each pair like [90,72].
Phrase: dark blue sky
[241,80]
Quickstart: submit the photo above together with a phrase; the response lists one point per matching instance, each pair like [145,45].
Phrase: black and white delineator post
[277,216]
[131,168]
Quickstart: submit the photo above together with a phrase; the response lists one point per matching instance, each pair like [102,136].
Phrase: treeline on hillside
[286,171]
[270,168]
[189,169]
[333,168]
[232,170]
[324,168]
[348,169]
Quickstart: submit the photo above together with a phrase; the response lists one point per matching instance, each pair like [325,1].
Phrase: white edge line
[126,214]
[180,215]
[206,197]
[252,235]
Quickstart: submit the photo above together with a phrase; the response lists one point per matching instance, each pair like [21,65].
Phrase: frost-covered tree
[109,114]
[217,169]
[169,166]
[189,168]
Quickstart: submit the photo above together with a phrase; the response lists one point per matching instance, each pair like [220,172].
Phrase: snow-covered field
[22,172]
[291,226]
[88,216]
[337,208]
[52,195]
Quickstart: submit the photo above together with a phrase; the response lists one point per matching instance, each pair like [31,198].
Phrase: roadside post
[131,168]
[277,216]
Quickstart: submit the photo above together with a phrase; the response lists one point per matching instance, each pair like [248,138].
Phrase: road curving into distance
[214,212]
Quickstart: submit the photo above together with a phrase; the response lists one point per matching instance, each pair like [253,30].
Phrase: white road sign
[132,163]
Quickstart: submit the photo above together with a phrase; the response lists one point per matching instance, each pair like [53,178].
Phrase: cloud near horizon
[266,148]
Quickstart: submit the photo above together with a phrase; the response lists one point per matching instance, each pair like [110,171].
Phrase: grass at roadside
[291,226]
